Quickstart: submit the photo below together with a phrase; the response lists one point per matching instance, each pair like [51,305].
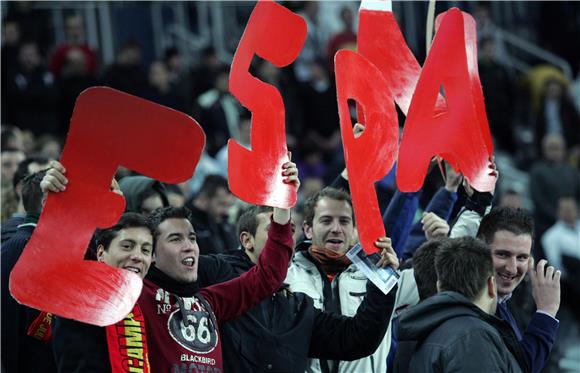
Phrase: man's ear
[100,252]
[247,241]
[307,230]
[491,287]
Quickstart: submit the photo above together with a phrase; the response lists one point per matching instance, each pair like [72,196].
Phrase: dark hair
[128,220]
[245,114]
[22,170]
[328,192]
[32,193]
[463,265]
[11,150]
[211,184]
[169,53]
[248,221]
[221,70]
[173,188]
[161,214]
[131,43]
[424,267]
[8,133]
[208,52]
[514,220]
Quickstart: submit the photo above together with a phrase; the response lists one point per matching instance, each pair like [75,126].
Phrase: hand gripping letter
[372,155]
[108,128]
[460,133]
[275,34]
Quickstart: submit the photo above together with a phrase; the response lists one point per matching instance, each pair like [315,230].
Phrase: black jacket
[212,237]
[9,228]
[79,347]
[448,333]
[20,353]
[282,332]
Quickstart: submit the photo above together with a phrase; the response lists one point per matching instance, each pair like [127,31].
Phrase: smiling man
[321,270]
[80,347]
[284,330]
[509,234]
[127,245]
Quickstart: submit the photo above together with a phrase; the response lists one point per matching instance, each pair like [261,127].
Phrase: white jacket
[348,289]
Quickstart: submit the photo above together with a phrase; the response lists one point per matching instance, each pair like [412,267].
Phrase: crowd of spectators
[534,119]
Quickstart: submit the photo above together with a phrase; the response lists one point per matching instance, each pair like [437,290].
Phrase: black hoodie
[448,333]
[282,332]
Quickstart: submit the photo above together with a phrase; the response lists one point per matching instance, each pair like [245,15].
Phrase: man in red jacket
[182,322]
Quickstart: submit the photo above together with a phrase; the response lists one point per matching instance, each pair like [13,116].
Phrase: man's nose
[137,256]
[335,226]
[188,245]
[511,264]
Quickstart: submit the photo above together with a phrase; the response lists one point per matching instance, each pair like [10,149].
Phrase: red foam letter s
[370,156]
[460,134]
[108,128]
[276,34]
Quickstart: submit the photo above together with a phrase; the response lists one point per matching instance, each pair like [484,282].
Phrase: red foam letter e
[460,134]
[275,34]
[108,128]
[372,155]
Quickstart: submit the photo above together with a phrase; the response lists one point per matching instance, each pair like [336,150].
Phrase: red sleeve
[57,59]
[232,298]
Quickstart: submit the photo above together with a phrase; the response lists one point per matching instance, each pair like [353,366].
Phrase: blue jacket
[538,339]
[441,204]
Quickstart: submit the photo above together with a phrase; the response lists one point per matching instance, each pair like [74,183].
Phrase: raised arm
[232,298]
[478,204]
[337,337]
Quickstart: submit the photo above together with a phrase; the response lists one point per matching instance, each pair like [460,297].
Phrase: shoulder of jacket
[300,260]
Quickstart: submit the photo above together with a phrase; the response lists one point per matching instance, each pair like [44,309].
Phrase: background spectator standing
[75,41]
[551,179]
[127,73]
[219,113]
[160,90]
[31,94]
[209,214]
[345,39]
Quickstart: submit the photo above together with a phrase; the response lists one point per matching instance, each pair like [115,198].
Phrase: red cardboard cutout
[275,34]
[460,134]
[108,128]
[372,155]
[380,40]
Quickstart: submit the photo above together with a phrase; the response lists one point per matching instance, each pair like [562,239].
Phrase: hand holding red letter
[108,129]
[277,35]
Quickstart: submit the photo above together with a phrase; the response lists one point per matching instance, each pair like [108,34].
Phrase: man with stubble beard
[509,233]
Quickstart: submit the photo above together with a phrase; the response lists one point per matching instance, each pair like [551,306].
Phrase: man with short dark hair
[209,209]
[186,321]
[455,330]
[509,234]
[27,167]
[25,346]
[284,330]
[80,347]
[424,268]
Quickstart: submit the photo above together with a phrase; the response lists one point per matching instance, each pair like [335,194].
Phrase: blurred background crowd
[178,54]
